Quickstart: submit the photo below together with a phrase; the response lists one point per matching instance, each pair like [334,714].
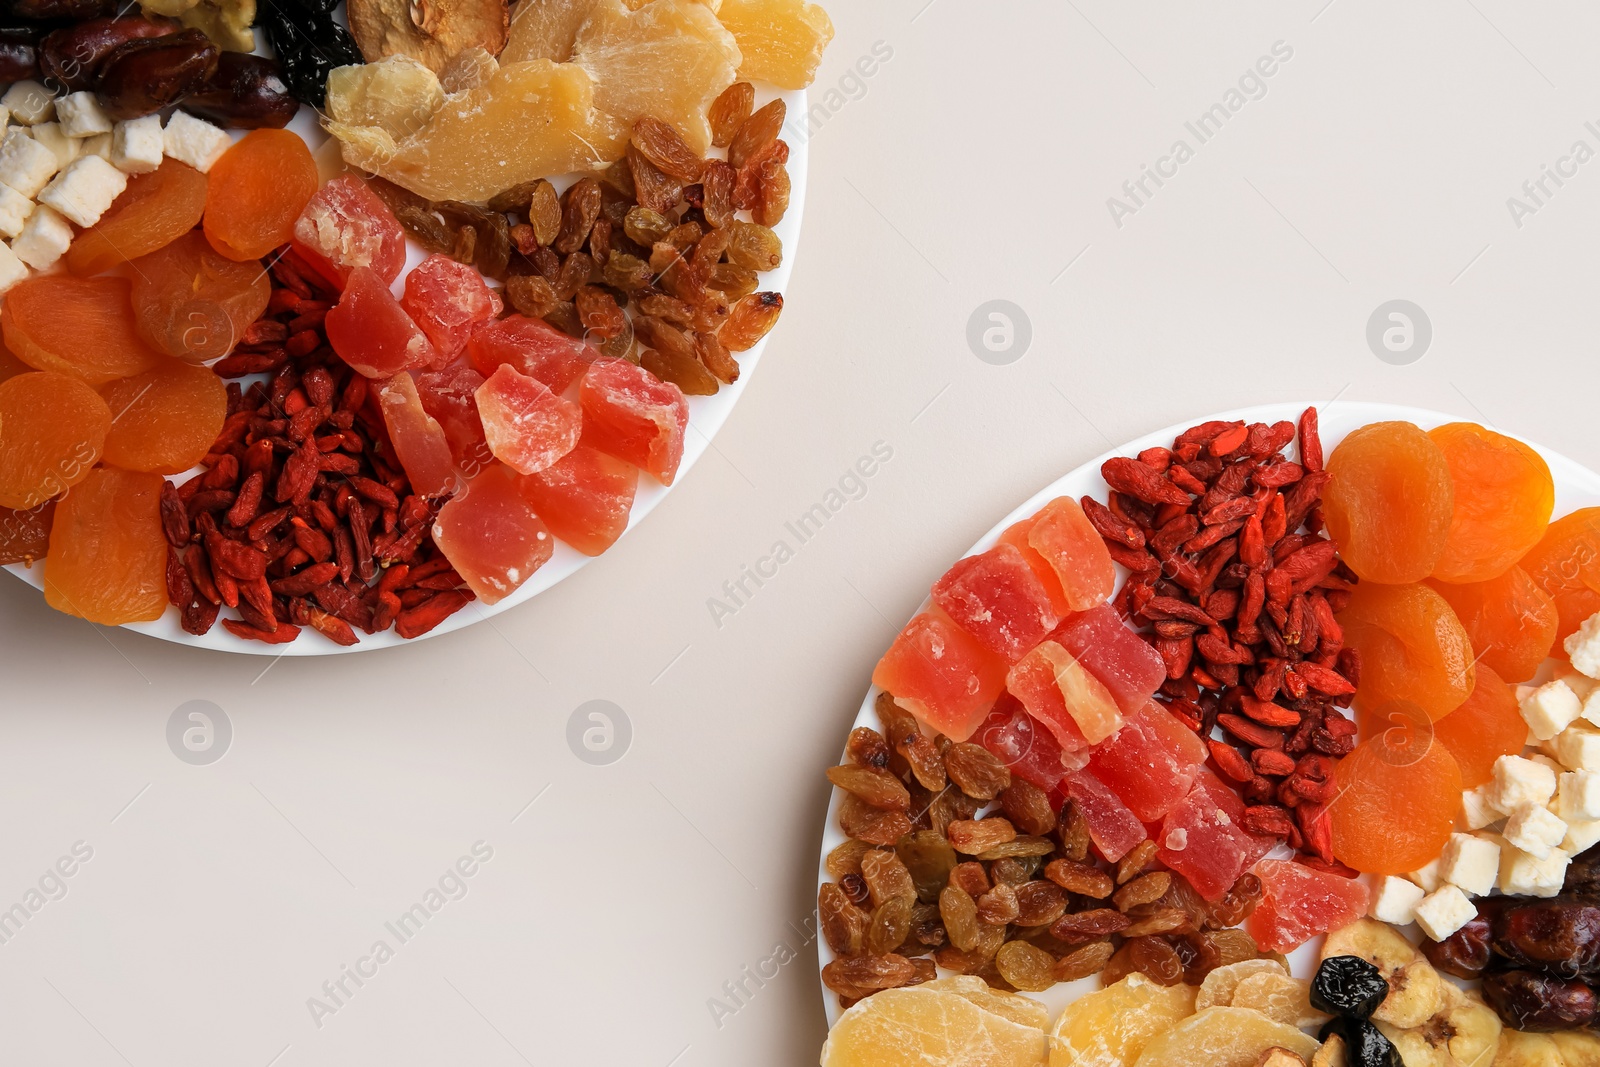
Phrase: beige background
[975,164]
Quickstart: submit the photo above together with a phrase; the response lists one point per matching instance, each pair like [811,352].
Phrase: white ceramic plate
[706,416]
[1576,487]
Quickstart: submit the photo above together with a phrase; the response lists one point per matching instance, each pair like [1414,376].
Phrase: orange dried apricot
[164,420]
[1503,499]
[1485,727]
[10,365]
[1566,564]
[1510,621]
[108,557]
[1389,503]
[77,326]
[193,303]
[1395,807]
[258,189]
[52,431]
[152,212]
[1412,648]
[25,535]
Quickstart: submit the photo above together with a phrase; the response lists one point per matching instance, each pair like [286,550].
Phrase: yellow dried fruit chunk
[1218,988]
[434,31]
[1578,1048]
[1224,1037]
[1278,997]
[669,60]
[398,95]
[1112,1027]
[781,40]
[531,120]
[915,1027]
[1025,1011]
[545,29]
[1519,1049]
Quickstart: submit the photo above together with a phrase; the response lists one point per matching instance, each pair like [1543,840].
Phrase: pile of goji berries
[304,515]
[1230,570]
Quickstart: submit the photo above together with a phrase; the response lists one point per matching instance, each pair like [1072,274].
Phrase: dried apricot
[10,365]
[78,326]
[25,534]
[1390,502]
[1485,727]
[1509,619]
[164,420]
[194,304]
[258,189]
[52,431]
[153,211]
[1412,648]
[1504,496]
[1566,565]
[1393,815]
[108,557]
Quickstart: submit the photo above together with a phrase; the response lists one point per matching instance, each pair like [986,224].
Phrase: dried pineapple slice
[398,95]
[915,1027]
[1224,1037]
[782,41]
[669,60]
[1111,1027]
[1279,997]
[545,29]
[1022,1010]
[1217,990]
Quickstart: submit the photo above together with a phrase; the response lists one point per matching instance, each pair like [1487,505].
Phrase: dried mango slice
[915,1026]
[782,41]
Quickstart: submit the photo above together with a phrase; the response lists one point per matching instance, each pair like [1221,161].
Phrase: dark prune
[19,57]
[1365,1045]
[1348,986]
[76,10]
[143,76]
[1539,1003]
[246,92]
[71,57]
[1465,953]
[309,42]
[1557,937]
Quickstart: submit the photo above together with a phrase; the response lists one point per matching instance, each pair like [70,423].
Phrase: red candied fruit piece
[1150,763]
[1027,749]
[448,300]
[996,597]
[633,415]
[584,498]
[450,396]
[527,426]
[1113,653]
[346,226]
[1016,535]
[1300,902]
[1068,541]
[1059,692]
[1113,828]
[533,347]
[417,438]
[942,676]
[1200,839]
[491,536]
[371,331]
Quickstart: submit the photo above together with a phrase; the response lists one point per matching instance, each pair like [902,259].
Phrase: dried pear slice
[433,31]
[669,60]
[782,41]
[398,95]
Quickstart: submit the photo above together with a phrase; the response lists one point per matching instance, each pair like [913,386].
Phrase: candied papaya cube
[491,536]
[108,556]
[1299,902]
[1150,763]
[633,415]
[528,427]
[450,396]
[531,346]
[1059,692]
[1200,840]
[346,226]
[1021,742]
[1016,535]
[1114,829]
[418,439]
[941,675]
[1065,537]
[449,300]
[584,498]
[371,331]
[996,597]
[1122,660]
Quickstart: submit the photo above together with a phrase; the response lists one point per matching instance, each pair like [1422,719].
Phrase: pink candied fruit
[1150,763]
[533,347]
[528,427]
[1114,829]
[450,396]
[417,438]
[1027,749]
[448,300]
[491,536]
[1016,535]
[1113,653]
[996,597]
[346,226]
[1200,837]
[1059,692]
[371,331]
[941,675]
[584,498]
[633,415]
[1068,541]
[1300,902]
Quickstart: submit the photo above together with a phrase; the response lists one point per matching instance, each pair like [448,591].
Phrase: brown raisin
[960,914]
[1159,921]
[661,145]
[949,806]
[1082,926]
[873,825]
[878,788]
[1240,901]
[1025,966]
[1232,946]
[531,294]
[711,352]
[998,907]
[1028,807]
[1072,830]
[1014,870]
[1082,962]
[717,185]
[580,208]
[971,878]
[1019,847]
[729,111]
[929,859]
[751,319]
[653,187]
[772,198]
[972,836]
[844,926]
[1084,879]
[1142,890]
[976,771]
[1136,862]
[756,134]
[861,975]
[1040,903]
[886,877]
[1156,959]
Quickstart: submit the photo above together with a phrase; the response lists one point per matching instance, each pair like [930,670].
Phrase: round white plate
[1576,487]
[706,416]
